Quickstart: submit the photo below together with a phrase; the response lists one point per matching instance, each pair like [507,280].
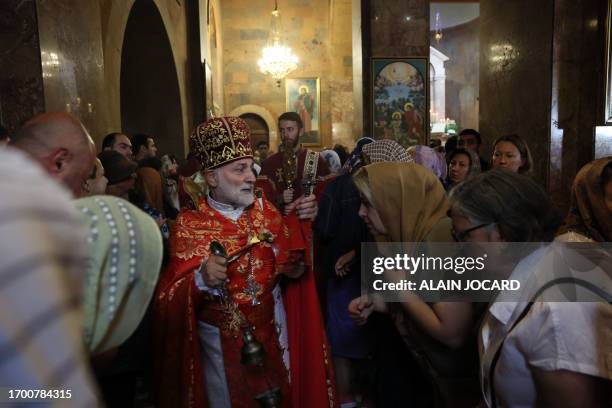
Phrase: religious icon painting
[399,99]
[303,97]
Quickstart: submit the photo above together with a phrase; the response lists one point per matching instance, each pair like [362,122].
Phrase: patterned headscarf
[430,159]
[354,160]
[386,150]
[125,254]
[588,214]
[332,159]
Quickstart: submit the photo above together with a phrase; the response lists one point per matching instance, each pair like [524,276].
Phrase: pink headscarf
[430,159]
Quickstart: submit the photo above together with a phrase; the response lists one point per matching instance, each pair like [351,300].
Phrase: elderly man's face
[123,146]
[233,184]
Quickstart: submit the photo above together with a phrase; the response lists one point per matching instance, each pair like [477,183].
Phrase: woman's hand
[344,262]
[360,309]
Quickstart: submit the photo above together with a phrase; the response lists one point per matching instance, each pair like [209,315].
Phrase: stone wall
[319,33]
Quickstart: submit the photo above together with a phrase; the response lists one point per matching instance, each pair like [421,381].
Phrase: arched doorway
[259,128]
[150,96]
[263,114]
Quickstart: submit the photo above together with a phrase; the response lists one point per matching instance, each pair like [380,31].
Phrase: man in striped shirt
[42,259]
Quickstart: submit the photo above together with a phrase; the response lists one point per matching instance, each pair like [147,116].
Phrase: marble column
[21,85]
[72,60]
[576,91]
[515,75]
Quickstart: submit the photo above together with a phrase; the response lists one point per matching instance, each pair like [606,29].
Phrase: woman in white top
[540,354]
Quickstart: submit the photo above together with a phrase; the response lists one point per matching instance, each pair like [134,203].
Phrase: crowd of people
[234,278]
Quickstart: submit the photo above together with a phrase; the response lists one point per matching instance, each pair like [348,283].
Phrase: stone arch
[150,95]
[114,33]
[266,116]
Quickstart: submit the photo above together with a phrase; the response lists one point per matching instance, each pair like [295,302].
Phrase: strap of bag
[578,282]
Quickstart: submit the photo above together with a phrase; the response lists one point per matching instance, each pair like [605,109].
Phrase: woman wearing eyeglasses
[405,202]
[533,352]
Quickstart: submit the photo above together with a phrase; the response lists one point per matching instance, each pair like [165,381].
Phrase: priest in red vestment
[291,128]
[210,302]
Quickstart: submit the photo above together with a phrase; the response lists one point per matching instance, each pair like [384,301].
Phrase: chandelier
[277,59]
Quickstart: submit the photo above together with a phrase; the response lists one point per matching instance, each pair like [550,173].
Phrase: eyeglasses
[460,236]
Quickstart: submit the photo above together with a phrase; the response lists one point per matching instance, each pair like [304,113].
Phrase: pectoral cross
[252,289]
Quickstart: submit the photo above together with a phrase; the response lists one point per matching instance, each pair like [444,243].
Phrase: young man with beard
[211,304]
[291,129]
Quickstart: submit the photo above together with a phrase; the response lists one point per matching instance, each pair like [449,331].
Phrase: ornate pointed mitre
[221,140]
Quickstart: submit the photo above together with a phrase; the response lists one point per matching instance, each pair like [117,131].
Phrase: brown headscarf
[150,185]
[588,214]
[409,199]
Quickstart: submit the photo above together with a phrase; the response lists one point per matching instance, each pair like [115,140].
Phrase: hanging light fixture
[277,59]
[438,35]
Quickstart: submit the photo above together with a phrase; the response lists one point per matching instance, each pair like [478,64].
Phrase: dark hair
[263,142]
[292,116]
[450,146]
[457,151]
[117,167]
[474,132]
[152,162]
[140,139]
[518,205]
[4,134]
[109,140]
[523,149]
[342,153]
[606,174]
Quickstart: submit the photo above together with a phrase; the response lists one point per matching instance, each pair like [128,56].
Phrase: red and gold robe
[180,304]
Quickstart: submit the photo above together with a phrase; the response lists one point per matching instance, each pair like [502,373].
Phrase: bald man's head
[62,145]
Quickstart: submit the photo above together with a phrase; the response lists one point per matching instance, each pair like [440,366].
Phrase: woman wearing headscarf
[590,214]
[386,150]
[340,231]
[333,160]
[125,253]
[430,159]
[354,158]
[404,202]
[147,195]
[462,164]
